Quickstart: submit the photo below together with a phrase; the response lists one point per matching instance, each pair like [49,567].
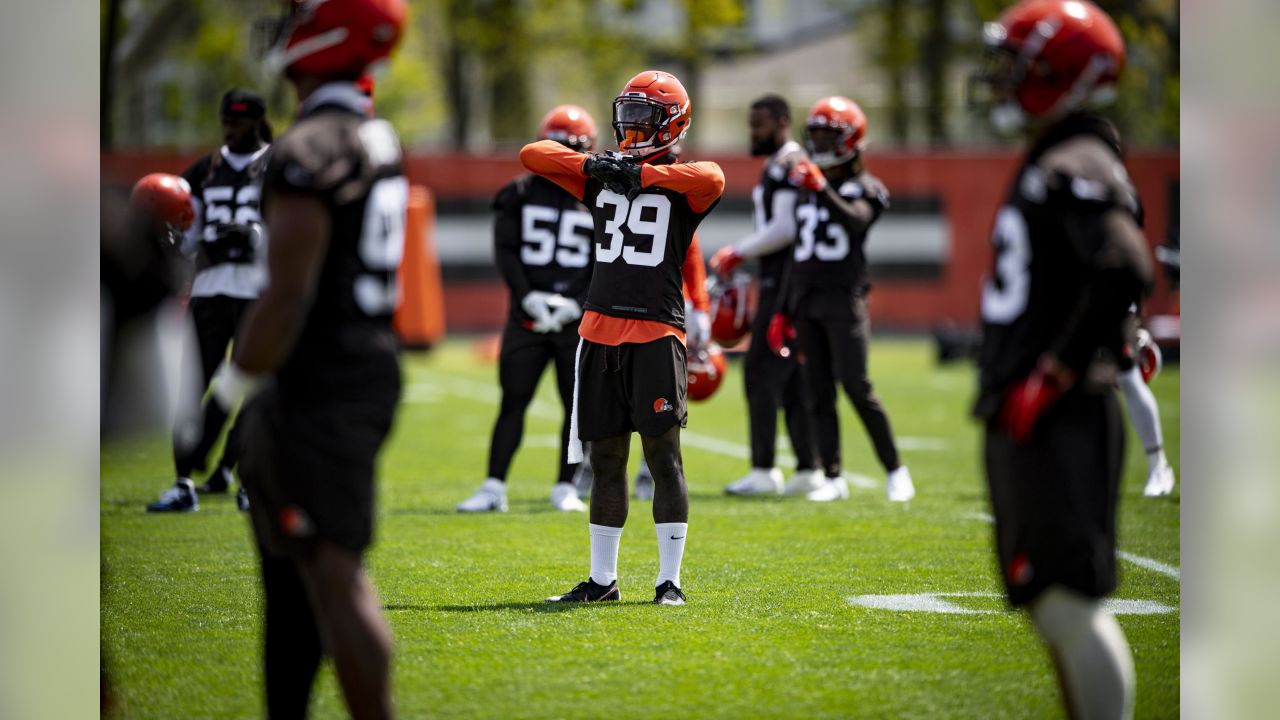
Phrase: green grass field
[769,631]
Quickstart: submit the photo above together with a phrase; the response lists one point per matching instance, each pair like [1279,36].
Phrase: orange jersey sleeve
[700,182]
[695,277]
[556,163]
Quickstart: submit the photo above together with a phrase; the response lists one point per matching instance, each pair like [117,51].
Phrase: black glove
[192,441]
[619,174]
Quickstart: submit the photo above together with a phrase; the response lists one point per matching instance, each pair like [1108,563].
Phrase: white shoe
[1160,481]
[832,489]
[804,482]
[757,482]
[491,497]
[565,498]
[644,484]
[898,485]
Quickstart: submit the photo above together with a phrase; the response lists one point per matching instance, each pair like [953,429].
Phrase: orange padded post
[419,320]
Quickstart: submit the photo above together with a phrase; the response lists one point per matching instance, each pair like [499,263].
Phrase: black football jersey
[1049,239]
[828,254]
[352,164]
[228,197]
[774,179]
[640,247]
[542,239]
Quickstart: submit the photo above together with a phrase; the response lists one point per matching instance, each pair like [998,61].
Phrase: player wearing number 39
[632,366]
[542,245]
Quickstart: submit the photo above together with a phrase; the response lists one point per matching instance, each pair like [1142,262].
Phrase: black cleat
[217,484]
[668,594]
[179,498]
[589,592]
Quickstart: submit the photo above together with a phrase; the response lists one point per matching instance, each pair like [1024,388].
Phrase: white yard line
[1142,562]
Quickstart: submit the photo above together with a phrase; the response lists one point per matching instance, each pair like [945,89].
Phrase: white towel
[575,445]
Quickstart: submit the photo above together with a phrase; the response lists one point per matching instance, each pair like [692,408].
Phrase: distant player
[632,364]
[542,244]
[824,303]
[319,351]
[1144,411]
[1069,259]
[772,381]
[227,246]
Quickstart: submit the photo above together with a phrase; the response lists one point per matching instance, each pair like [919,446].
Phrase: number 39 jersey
[640,249]
[1049,238]
[352,164]
[542,241]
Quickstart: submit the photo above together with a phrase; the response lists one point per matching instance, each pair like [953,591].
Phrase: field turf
[770,629]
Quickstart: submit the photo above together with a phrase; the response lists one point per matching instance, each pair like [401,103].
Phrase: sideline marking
[936,603]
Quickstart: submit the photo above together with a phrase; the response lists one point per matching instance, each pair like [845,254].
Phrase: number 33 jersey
[641,246]
[352,164]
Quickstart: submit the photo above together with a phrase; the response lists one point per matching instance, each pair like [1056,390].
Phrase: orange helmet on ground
[835,131]
[165,201]
[651,114]
[707,368]
[337,38]
[569,125]
[1047,58]
[730,312]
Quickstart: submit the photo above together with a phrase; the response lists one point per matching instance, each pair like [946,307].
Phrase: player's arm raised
[701,183]
[778,233]
[558,164]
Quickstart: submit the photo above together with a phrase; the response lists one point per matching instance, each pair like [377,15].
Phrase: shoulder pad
[1084,172]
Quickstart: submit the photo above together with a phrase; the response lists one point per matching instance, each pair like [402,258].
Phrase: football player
[824,305]
[225,243]
[772,381]
[1144,411]
[632,369]
[1068,260]
[316,359]
[542,243]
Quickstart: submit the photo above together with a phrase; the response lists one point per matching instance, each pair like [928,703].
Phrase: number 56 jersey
[351,164]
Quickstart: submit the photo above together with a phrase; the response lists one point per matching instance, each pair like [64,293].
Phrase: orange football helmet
[1047,58]
[835,132]
[337,38]
[569,125]
[164,201]
[730,312]
[651,114]
[706,371]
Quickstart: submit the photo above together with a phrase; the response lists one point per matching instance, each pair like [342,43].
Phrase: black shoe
[179,498]
[668,594]
[242,499]
[589,592]
[217,484]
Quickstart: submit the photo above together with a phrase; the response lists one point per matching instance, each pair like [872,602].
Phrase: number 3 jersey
[351,164]
[1068,259]
[542,241]
[227,239]
[828,260]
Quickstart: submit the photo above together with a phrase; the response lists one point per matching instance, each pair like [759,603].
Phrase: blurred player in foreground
[317,360]
[632,371]
[1069,259]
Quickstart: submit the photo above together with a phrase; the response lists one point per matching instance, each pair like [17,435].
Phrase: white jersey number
[381,245]
[632,215]
[223,205]
[834,246]
[569,249]
[1004,296]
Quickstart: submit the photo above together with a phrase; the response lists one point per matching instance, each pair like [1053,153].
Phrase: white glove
[698,328]
[232,386]
[536,305]
[563,311]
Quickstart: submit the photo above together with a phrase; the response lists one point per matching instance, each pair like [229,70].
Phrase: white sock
[1094,662]
[604,553]
[1144,413]
[670,551]
[1154,460]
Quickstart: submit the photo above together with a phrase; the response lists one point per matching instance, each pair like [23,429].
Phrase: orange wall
[969,185]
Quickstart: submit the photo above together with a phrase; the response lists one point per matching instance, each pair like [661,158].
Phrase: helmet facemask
[826,145]
[640,123]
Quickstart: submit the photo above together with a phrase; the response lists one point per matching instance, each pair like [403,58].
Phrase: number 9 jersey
[352,164]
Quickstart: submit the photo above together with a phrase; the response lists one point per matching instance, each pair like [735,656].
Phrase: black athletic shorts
[308,459]
[1054,498]
[631,388]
